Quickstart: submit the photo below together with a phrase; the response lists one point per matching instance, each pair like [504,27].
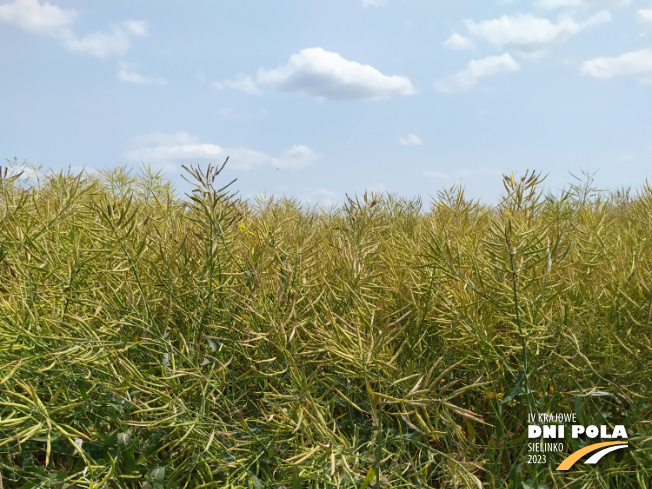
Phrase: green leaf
[578,408]
[157,472]
[367,480]
[516,390]
[528,484]
[296,480]
[605,394]
[256,481]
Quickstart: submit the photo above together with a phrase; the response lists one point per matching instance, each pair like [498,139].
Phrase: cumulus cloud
[576,4]
[45,18]
[136,27]
[645,15]
[554,4]
[241,82]
[475,70]
[33,16]
[298,156]
[170,151]
[114,42]
[160,138]
[127,75]
[410,140]
[632,63]
[530,34]
[325,75]
[458,42]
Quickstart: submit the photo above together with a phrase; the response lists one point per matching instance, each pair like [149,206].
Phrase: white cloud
[241,82]
[136,27]
[298,156]
[577,4]
[632,63]
[127,75]
[33,16]
[322,74]
[645,15]
[458,42]
[45,18]
[30,174]
[245,159]
[410,140]
[170,151]
[115,42]
[476,69]
[162,138]
[554,4]
[528,33]
[328,75]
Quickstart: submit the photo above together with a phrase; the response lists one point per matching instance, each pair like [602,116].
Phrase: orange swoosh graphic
[574,457]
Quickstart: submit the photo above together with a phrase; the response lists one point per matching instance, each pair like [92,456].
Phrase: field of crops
[151,342]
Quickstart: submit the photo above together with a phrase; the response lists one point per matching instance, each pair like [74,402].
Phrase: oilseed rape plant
[150,341]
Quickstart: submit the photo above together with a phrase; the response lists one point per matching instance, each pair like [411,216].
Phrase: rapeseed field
[148,341]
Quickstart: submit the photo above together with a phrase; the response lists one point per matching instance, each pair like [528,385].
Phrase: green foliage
[152,342]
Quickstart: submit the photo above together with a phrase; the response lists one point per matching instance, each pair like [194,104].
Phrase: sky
[322,98]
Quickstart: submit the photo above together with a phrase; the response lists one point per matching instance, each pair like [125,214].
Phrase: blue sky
[315,99]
